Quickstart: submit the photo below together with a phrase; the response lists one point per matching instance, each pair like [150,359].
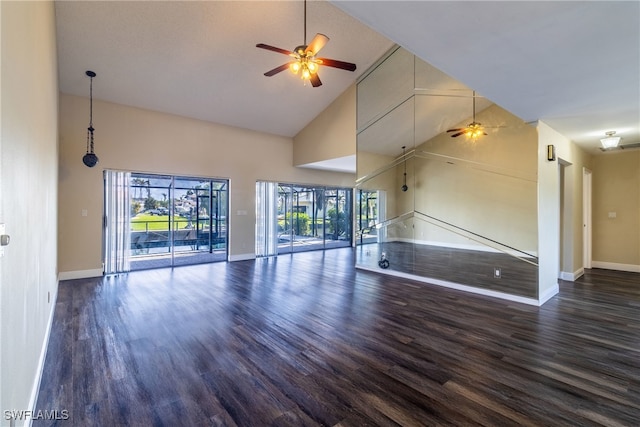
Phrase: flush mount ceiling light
[90,159]
[610,141]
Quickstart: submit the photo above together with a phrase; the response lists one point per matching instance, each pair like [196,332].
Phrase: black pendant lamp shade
[90,159]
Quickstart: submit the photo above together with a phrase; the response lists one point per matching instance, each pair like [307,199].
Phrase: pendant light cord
[405,165]
[91,129]
[474,106]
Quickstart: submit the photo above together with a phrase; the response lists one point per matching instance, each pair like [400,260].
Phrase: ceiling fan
[473,130]
[304,57]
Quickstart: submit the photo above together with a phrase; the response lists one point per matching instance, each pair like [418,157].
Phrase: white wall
[28,197]
[549,210]
[138,140]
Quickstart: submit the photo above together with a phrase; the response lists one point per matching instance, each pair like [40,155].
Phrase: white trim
[550,293]
[242,257]
[572,277]
[33,400]
[587,218]
[79,274]
[460,287]
[615,266]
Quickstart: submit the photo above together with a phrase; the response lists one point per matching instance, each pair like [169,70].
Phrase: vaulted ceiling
[575,65]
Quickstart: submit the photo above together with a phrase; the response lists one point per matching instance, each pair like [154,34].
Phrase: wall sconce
[551,153]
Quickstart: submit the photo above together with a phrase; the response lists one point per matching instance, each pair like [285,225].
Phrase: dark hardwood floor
[305,340]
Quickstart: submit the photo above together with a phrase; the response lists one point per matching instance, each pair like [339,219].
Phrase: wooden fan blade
[274,49]
[457,134]
[337,64]
[315,80]
[277,70]
[454,130]
[316,44]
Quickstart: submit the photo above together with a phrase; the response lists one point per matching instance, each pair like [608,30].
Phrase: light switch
[84,212]
[612,214]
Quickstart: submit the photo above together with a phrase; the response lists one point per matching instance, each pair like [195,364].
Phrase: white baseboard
[33,400]
[615,266]
[572,277]
[460,287]
[79,274]
[242,257]
[550,293]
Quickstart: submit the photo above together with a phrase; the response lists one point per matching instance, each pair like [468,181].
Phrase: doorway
[154,221]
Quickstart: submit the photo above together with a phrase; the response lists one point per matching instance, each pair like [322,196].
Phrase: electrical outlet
[497,272]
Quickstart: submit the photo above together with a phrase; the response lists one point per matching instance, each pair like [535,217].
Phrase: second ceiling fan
[304,57]
[473,130]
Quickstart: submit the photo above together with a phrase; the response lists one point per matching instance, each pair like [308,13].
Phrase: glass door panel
[177,221]
[150,221]
[338,222]
[367,217]
[285,225]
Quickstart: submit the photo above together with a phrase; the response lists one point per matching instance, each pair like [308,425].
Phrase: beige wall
[488,186]
[28,197]
[573,160]
[145,141]
[616,189]
[331,135]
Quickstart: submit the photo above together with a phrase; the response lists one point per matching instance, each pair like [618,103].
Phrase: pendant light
[90,159]
[404,181]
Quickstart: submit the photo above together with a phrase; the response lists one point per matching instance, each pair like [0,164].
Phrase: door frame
[587,218]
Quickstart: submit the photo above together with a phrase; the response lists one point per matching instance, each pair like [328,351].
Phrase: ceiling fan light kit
[304,60]
[474,130]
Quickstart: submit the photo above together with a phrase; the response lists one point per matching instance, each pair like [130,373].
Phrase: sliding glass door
[306,218]
[169,221]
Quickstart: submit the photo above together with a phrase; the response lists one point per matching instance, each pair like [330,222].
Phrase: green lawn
[144,222]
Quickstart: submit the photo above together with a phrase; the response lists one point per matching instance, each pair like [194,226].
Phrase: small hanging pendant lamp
[90,159]
[404,181]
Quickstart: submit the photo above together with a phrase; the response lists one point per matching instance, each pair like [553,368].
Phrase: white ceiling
[199,60]
[573,64]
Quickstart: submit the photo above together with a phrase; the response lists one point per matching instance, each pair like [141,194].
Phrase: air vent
[623,147]
[627,146]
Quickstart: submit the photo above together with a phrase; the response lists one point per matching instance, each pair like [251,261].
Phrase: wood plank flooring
[307,340]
